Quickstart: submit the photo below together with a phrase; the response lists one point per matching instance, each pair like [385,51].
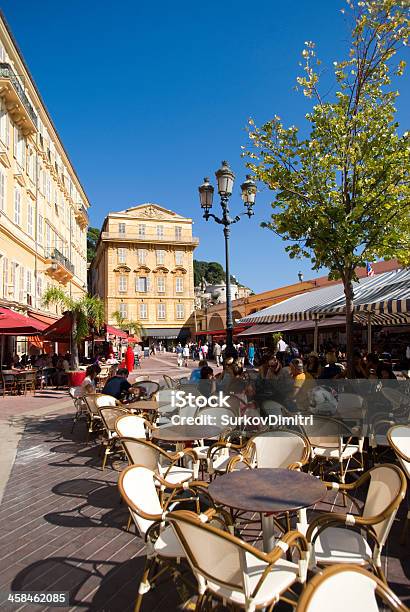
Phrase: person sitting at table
[89,383]
[117,386]
[196,372]
[63,365]
[206,383]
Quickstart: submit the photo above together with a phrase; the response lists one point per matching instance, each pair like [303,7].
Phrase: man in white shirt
[281,348]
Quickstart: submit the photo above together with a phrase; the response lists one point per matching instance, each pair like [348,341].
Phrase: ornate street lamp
[225,179]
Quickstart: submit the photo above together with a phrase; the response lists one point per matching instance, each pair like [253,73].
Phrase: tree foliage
[93,234]
[128,325]
[342,193]
[87,313]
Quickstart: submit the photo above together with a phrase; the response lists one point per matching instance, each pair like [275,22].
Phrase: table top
[186,433]
[143,405]
[267,490]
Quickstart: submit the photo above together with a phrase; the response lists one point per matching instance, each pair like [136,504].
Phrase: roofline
[26,68]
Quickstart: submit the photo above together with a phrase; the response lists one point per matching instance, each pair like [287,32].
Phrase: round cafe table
[268,491]
[186,433]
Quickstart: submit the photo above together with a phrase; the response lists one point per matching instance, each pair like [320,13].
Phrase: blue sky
[149,97]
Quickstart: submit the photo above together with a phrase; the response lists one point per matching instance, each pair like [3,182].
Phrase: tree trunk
[348,290]
[74,346]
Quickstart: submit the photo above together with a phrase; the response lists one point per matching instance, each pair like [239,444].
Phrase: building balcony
[148,238]
[59,266]
[81,215]
[17,103]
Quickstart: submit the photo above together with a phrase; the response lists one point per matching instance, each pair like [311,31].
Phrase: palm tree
[133,327]
[86,312]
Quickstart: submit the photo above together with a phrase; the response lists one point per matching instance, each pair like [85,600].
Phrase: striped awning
[386,296]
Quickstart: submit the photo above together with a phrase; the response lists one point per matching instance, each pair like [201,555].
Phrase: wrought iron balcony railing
[55,255]
[7,72]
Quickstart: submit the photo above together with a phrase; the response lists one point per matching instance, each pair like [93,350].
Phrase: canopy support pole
[316,336]
[369,332]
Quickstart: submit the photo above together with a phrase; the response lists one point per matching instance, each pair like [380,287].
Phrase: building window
[122,286]
[142,256]
[121,228]
[122,255]
[141,230]
[179,285]
[160,231]
[160,257]
[178,233]
[2,190]
[123,310]
[30,228]
[142,284]
[179,258]
[17,205]
[40,229]
[161,284]
[160,311]
[4,124]
[19,147]
[39,286]
[29,287]
[143,311]
[48,238]
[5,273]
[180,311]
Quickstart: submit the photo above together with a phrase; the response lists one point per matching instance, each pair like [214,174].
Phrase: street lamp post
[225,179]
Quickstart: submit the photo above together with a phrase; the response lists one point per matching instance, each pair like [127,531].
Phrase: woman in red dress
[129,359]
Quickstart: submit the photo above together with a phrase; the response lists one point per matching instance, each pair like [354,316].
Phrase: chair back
[279,449]
[164,396]
[137,489]
[141,452]
[326,431]
[270,407]
[130,426]
[347,587]
[385,493]
[75,392]
[213,554]
[399,439]
[110,416]
[170,382]
[99,400]
[149,386]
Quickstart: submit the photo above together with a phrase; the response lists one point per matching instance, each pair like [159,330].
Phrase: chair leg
[144,585]
[106,453]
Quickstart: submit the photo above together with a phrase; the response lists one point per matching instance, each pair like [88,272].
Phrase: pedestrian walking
[281,348]
[205,351]
[241,354]
[185,354]
[218,354]
[179,352]
[251,353]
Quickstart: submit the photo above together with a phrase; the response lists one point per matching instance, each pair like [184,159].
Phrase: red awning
[221,332]
[59,330]
[114,331]
[15,324]
[43,318]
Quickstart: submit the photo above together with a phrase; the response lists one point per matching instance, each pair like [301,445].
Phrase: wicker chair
[277,449]
[399,440]
[143,452]
[347,587]
[139,488]
[8,383]
[230,570]
[149,387]
[81,411]
[346,538]
[332,447]
[109,416]
[94,402]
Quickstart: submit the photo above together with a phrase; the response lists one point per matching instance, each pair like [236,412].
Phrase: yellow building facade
[143,269]
[43,207]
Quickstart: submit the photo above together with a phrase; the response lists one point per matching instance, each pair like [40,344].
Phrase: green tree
[342,193]
[87,312]
[93,234]
[215,273]
[128,325]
